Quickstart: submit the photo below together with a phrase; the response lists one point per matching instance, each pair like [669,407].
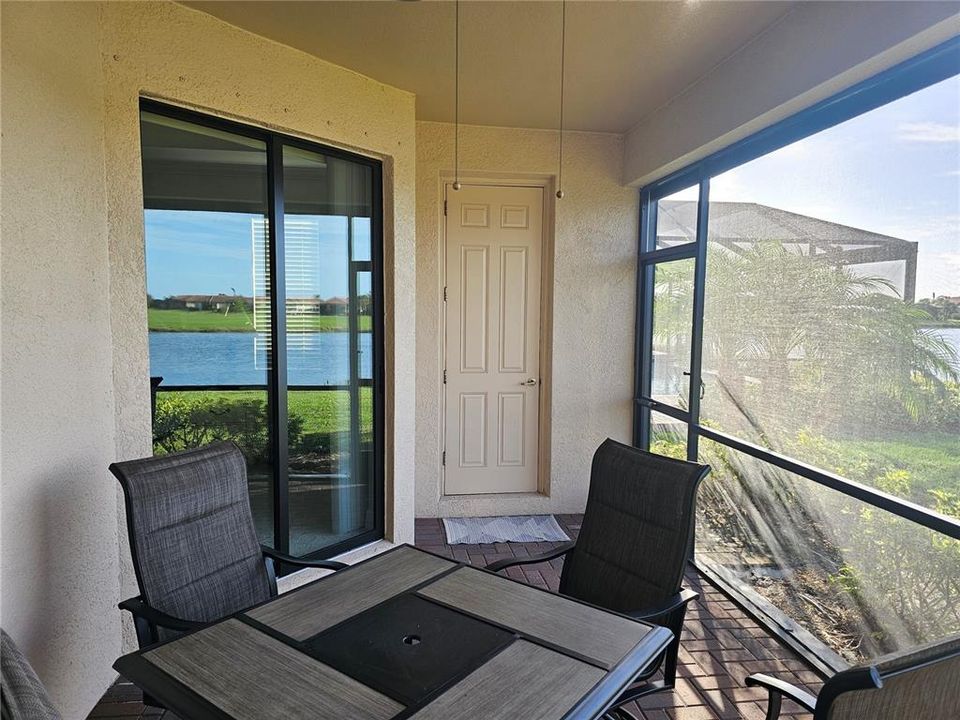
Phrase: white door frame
[547,183]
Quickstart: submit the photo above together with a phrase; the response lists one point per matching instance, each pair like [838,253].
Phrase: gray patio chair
[636,536]
[24,696]
[194,545]
[918,684]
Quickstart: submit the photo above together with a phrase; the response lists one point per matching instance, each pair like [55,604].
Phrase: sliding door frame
[277,376]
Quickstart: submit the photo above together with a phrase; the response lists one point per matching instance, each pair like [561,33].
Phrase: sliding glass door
[265,317]
[326,201]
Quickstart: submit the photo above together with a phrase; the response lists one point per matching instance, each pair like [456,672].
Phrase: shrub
[188,420]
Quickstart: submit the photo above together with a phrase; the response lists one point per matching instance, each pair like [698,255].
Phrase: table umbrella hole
[411,640]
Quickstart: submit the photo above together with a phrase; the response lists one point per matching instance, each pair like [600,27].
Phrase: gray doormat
[521,528]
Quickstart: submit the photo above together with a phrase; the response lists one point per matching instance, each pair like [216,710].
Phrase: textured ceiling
[623,59]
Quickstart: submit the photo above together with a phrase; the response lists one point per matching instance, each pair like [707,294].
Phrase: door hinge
[444,208]
[444,376]
[443,458]
[444,293]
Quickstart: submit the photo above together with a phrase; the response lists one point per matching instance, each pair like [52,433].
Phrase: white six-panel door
[492,358]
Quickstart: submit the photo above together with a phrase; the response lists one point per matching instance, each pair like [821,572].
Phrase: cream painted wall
[75,354]
[59,520]
[815,51]
[169,52]
[595,233]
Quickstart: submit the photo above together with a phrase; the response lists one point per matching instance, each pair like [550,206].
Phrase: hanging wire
[563,46]
[456,110]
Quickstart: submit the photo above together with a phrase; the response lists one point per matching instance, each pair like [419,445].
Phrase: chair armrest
[779,688]
[672,603]
[138,607]
[301,562]
[543,557]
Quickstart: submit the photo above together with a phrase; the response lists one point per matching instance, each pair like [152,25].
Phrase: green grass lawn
[329,410]
[207,321]
[931,457]
[197,321]
[323,411]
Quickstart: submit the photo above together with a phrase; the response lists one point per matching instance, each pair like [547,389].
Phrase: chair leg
[147,635]
[673,649]
[670,660]
[773,705]
[667,663]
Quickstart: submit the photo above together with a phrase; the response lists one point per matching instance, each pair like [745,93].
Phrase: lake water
[215,358]
[952,336]
[223,358]
[668,380]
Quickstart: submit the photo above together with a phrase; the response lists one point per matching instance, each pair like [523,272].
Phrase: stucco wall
[59,521]
[166,51]
[595,237]
[806,57]
[75,352]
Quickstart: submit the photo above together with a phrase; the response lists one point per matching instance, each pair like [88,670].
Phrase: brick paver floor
[721,645]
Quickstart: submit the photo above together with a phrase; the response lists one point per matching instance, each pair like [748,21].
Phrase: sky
[205,253]
[894,170]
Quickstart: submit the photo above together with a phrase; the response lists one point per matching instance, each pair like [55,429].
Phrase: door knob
[530,382]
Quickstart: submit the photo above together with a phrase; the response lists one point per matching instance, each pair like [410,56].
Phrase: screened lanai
[738,226]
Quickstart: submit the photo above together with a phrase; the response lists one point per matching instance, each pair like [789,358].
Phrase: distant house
[335,306]
[219,302]
[318,306]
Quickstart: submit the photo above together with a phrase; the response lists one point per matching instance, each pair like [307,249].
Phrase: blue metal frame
[928,68]
[696,333]
[917,73]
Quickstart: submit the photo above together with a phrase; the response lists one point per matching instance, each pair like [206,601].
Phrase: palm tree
[790,340]
[793,347]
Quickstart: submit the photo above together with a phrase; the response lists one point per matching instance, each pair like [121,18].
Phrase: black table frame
[189,704]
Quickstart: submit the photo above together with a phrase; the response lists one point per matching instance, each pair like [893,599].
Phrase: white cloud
[938,273]
[930,132]
[942,230]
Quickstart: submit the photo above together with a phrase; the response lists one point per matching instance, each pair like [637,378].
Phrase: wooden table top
[404,634]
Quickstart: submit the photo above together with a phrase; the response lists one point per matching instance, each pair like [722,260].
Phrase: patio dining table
[404,634]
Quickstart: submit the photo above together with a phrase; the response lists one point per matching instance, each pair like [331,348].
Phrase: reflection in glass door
[327,214]
[263,268]
[205,217]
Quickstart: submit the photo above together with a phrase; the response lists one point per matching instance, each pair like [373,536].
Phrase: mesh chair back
[24,697]
[637,529]
[920,683]
[194,545]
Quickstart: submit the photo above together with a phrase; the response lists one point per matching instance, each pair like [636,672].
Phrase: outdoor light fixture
[563,42]
[456,110]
